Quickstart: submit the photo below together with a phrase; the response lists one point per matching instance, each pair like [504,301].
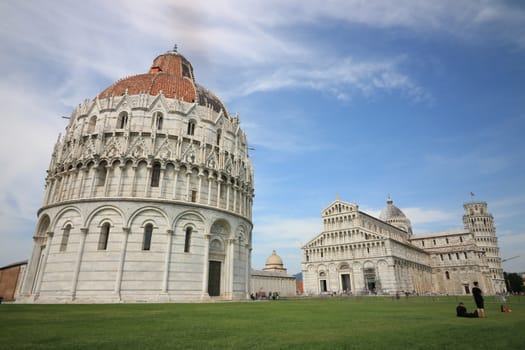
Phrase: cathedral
[148,197]
[360,254]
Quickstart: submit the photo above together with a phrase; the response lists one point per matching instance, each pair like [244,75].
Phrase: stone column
[93,179]
[235,191]
[42,267]
[188,178]
[32,267]
[120,271]
[161,180]
[109,175]
[231,260]
[72,183]
[219,182]
[167,261]
[210,178]
[205,266]
[83,175]
[120,184]
[147,185]
[248,274]
[83,235]
[133,179]
[175,180]
[199,192]
[63,186]
[228,195]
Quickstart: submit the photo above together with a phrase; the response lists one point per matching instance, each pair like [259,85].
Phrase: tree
[514,282]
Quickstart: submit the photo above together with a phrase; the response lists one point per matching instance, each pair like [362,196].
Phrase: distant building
[273,278]
[359,253]
[148,197]
[10,278]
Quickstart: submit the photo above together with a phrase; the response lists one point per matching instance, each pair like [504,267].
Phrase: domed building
[274,263]
[273,279]
[358,253]
[148,197]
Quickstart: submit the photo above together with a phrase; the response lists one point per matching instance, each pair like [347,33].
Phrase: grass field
[316,323]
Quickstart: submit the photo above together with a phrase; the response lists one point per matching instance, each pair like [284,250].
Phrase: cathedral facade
[360,254]
[148,197]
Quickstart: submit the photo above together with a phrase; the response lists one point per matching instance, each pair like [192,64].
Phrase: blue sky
[420,100]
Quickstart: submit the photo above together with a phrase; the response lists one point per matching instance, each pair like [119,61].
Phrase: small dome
[395,217]
[274,263]
[391,211]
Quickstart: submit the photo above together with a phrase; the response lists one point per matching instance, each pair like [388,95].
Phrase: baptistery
[148,197]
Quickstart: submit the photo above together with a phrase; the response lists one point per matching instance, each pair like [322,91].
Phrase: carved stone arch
[95,212]
[44,223]
[141,210]
[212,160]
[159,104]
[217,245]
[89,149]
[189,155]
[164,150]
[242,232]
[113,148]
[124,105]
[61,212]
[138,148]
[221,227]
[344,266]
[228,166]
[66,224]
[192,214]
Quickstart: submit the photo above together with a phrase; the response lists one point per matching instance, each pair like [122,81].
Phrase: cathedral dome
[395,216]
[170,74]
[274,263]
[391,211]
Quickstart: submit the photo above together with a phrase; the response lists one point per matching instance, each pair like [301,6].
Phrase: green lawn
[318,323]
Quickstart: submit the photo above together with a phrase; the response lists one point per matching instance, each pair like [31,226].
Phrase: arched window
[102,173]
[187,240]
[447,275]
[92,124]
[122,120]
[191,127]
[104,237]
[155,175]
[65,238]
[148,232]
[157,120]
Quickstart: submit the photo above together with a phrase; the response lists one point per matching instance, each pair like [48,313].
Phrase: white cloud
[339,77]
[284,235]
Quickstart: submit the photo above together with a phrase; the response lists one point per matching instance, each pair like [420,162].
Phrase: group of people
[461,310]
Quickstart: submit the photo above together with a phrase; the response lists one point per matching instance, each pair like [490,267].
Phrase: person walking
[478,299]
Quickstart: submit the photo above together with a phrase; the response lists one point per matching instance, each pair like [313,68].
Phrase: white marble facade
[148,197]
[360,254]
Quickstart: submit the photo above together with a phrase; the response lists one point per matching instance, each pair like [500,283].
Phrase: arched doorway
[218,259]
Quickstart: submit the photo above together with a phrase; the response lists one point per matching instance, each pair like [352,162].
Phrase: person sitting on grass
[461,311]
[505,309]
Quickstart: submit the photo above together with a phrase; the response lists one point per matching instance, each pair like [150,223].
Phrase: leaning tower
[148,197]
[480,222]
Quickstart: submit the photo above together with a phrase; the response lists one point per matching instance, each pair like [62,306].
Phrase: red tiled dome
[170,73]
